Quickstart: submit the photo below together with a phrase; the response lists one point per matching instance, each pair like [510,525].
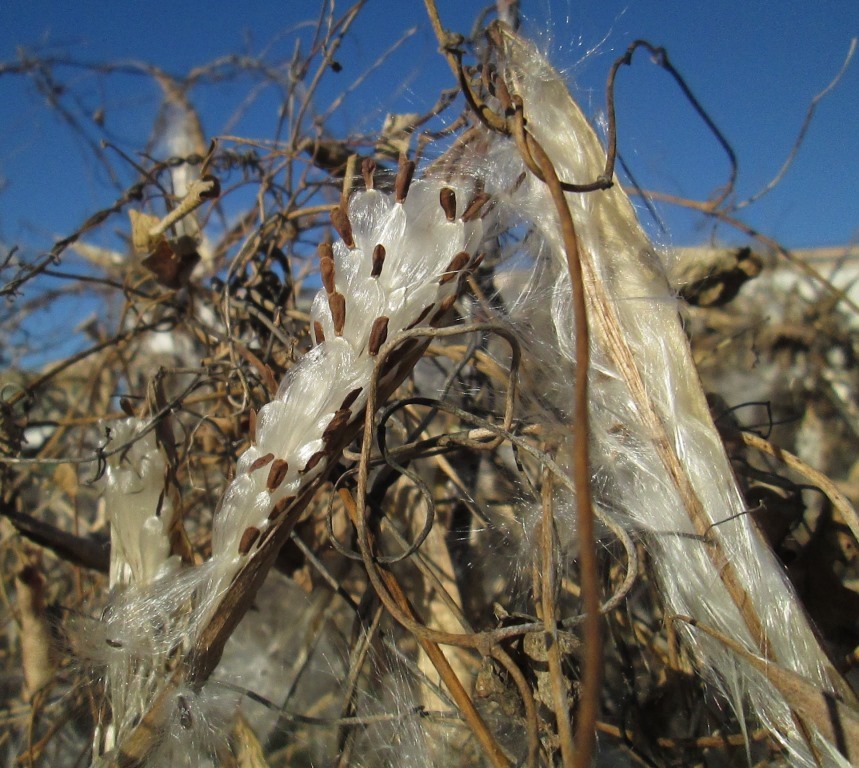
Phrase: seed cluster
[399,263]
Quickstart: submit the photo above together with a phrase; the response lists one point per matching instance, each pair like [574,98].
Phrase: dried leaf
[711,277]
[36,653]
[141,225]
[172,268]
[66,478]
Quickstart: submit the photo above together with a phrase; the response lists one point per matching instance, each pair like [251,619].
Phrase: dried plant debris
[394,449]
[712,277]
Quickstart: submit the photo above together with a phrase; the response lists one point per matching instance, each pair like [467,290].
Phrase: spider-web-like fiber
[655,451]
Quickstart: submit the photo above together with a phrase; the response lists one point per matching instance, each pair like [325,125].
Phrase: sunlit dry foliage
[392,448]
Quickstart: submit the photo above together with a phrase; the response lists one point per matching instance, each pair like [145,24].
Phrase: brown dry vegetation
[195,335]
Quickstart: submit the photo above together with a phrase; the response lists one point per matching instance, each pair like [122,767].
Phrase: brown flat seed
[473,208]
[378,334]
[339,420]
[447,199]
[276,474]
[368,168]
[340,220]
[337,305]
[378,260]
[249,537]
[313,461]
[278,509]
[456,264]
[520,179]
[252,426]
[260,462]
[325,251]
[326,269]
[404,178]
[317,331]
[350,398]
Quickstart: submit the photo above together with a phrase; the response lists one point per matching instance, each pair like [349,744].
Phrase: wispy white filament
[138,509]
[630,308]
[419,244]
[403,269]
[126,643]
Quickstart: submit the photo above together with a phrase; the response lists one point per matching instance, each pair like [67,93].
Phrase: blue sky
[754,65]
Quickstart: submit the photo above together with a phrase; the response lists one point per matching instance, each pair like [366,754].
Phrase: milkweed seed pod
[128,645]
[400,264]
[139,511]
[658,464]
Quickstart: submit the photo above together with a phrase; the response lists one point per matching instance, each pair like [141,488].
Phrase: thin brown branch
[803,130]
[393,592]
[547,601]
[839,500]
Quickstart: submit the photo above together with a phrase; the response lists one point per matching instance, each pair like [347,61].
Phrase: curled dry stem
[547,600]
[592,675]
[659,57]
[541,165]
[394,599]
[483,431]
[839,500]
[485,642]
